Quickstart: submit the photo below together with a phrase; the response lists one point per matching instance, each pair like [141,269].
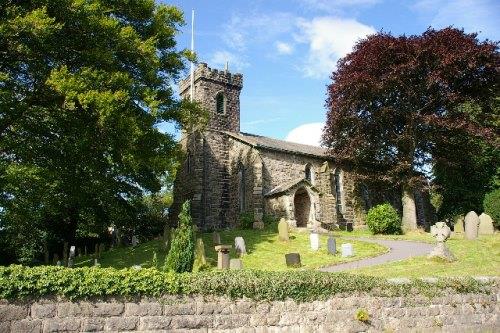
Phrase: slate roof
[288,185]
[279,145]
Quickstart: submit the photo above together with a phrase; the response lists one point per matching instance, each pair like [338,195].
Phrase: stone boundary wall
[448,313]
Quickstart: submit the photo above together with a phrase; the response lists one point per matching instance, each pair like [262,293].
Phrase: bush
[362,315]
[180,258]
[88,282]
[246,220]
[383,219]
[491,206]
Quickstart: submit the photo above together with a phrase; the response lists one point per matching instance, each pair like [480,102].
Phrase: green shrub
[383,219]
[491,205]
[362,315]
[246,220]
[180,258]
[270,221]
[88,282]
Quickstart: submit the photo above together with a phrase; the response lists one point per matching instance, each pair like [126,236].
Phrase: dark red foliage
[393,98]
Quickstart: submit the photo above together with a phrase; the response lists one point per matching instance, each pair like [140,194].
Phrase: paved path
[399,250]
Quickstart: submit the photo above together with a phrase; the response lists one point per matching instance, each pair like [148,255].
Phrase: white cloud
[308,134]
[284,48]
[219,59]
[242,30]
[329,39]
[337,5]
[472,15]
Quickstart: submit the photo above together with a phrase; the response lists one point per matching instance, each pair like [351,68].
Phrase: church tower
[219,93]
[206,175]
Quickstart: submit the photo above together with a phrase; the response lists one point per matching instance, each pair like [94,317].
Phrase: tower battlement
[202,71]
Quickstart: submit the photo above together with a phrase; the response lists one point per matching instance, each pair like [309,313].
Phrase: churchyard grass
[479,257]
[265,252]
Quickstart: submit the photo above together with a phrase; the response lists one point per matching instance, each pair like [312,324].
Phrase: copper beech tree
[393,98]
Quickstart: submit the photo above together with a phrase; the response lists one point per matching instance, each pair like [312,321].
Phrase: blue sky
[286,50]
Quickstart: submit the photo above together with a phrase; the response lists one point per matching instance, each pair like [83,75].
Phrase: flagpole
[192,50]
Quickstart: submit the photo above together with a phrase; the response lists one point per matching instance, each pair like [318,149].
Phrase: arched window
[339,192]
[309,173]
[220,102]
[241,186]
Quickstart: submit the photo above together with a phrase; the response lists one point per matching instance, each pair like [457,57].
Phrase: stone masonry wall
[448,313]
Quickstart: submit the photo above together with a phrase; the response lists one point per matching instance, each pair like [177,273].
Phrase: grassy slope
[474,258]
[264,251]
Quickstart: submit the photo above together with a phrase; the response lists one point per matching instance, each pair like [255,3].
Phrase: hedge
[81,283]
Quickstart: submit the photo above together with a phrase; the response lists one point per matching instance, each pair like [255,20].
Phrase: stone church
[227,173]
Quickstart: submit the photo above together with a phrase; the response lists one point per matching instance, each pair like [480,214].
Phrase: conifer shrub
[383,219]
[180,258]
[491,206]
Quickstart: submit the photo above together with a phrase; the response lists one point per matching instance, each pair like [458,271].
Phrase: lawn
[474,258]
[265,252]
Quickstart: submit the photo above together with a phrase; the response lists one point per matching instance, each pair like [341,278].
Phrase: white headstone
[135,240]
[347,250]
[314,238]
[239,246]
[486,225]
[471,225]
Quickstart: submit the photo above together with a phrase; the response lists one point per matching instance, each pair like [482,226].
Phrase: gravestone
[283,230]
[239,246]
[259,225]
[471,225]
[101,249]
[458,227]
[167,234]
[223,256]
[441,232]
[135,240]
[314,240]
[65,253]
[59,263]
[200,259]
[216,238]
[292,260]
[347,250]
[71,258]
[235,264]
[96,262]
[485,225]
[331,245]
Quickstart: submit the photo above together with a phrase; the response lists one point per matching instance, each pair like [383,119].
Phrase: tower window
[220,103]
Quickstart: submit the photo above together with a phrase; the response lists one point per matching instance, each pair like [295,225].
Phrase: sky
[287,50]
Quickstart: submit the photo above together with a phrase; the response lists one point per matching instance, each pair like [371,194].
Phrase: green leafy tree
[180,258]
[491,205]
[83,88]
[394,98]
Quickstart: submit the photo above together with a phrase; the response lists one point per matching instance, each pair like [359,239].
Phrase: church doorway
[302,207]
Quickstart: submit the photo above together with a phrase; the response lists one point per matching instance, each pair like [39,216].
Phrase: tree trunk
[409,209]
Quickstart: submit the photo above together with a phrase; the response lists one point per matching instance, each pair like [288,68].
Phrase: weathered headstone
[223,256]
[485,225]
[471,225]
[135,240]
[441,232]
[200,259]
[71,258]
[458,227]
[258,225]
[292,260]
[65,253]
[216,238]
[235,264]
[96,262]
[314,240]
[283,230]
[102,247]
[166,238]
[59,263]
[55,259]
[239,246]
[347,250]
[332,246]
